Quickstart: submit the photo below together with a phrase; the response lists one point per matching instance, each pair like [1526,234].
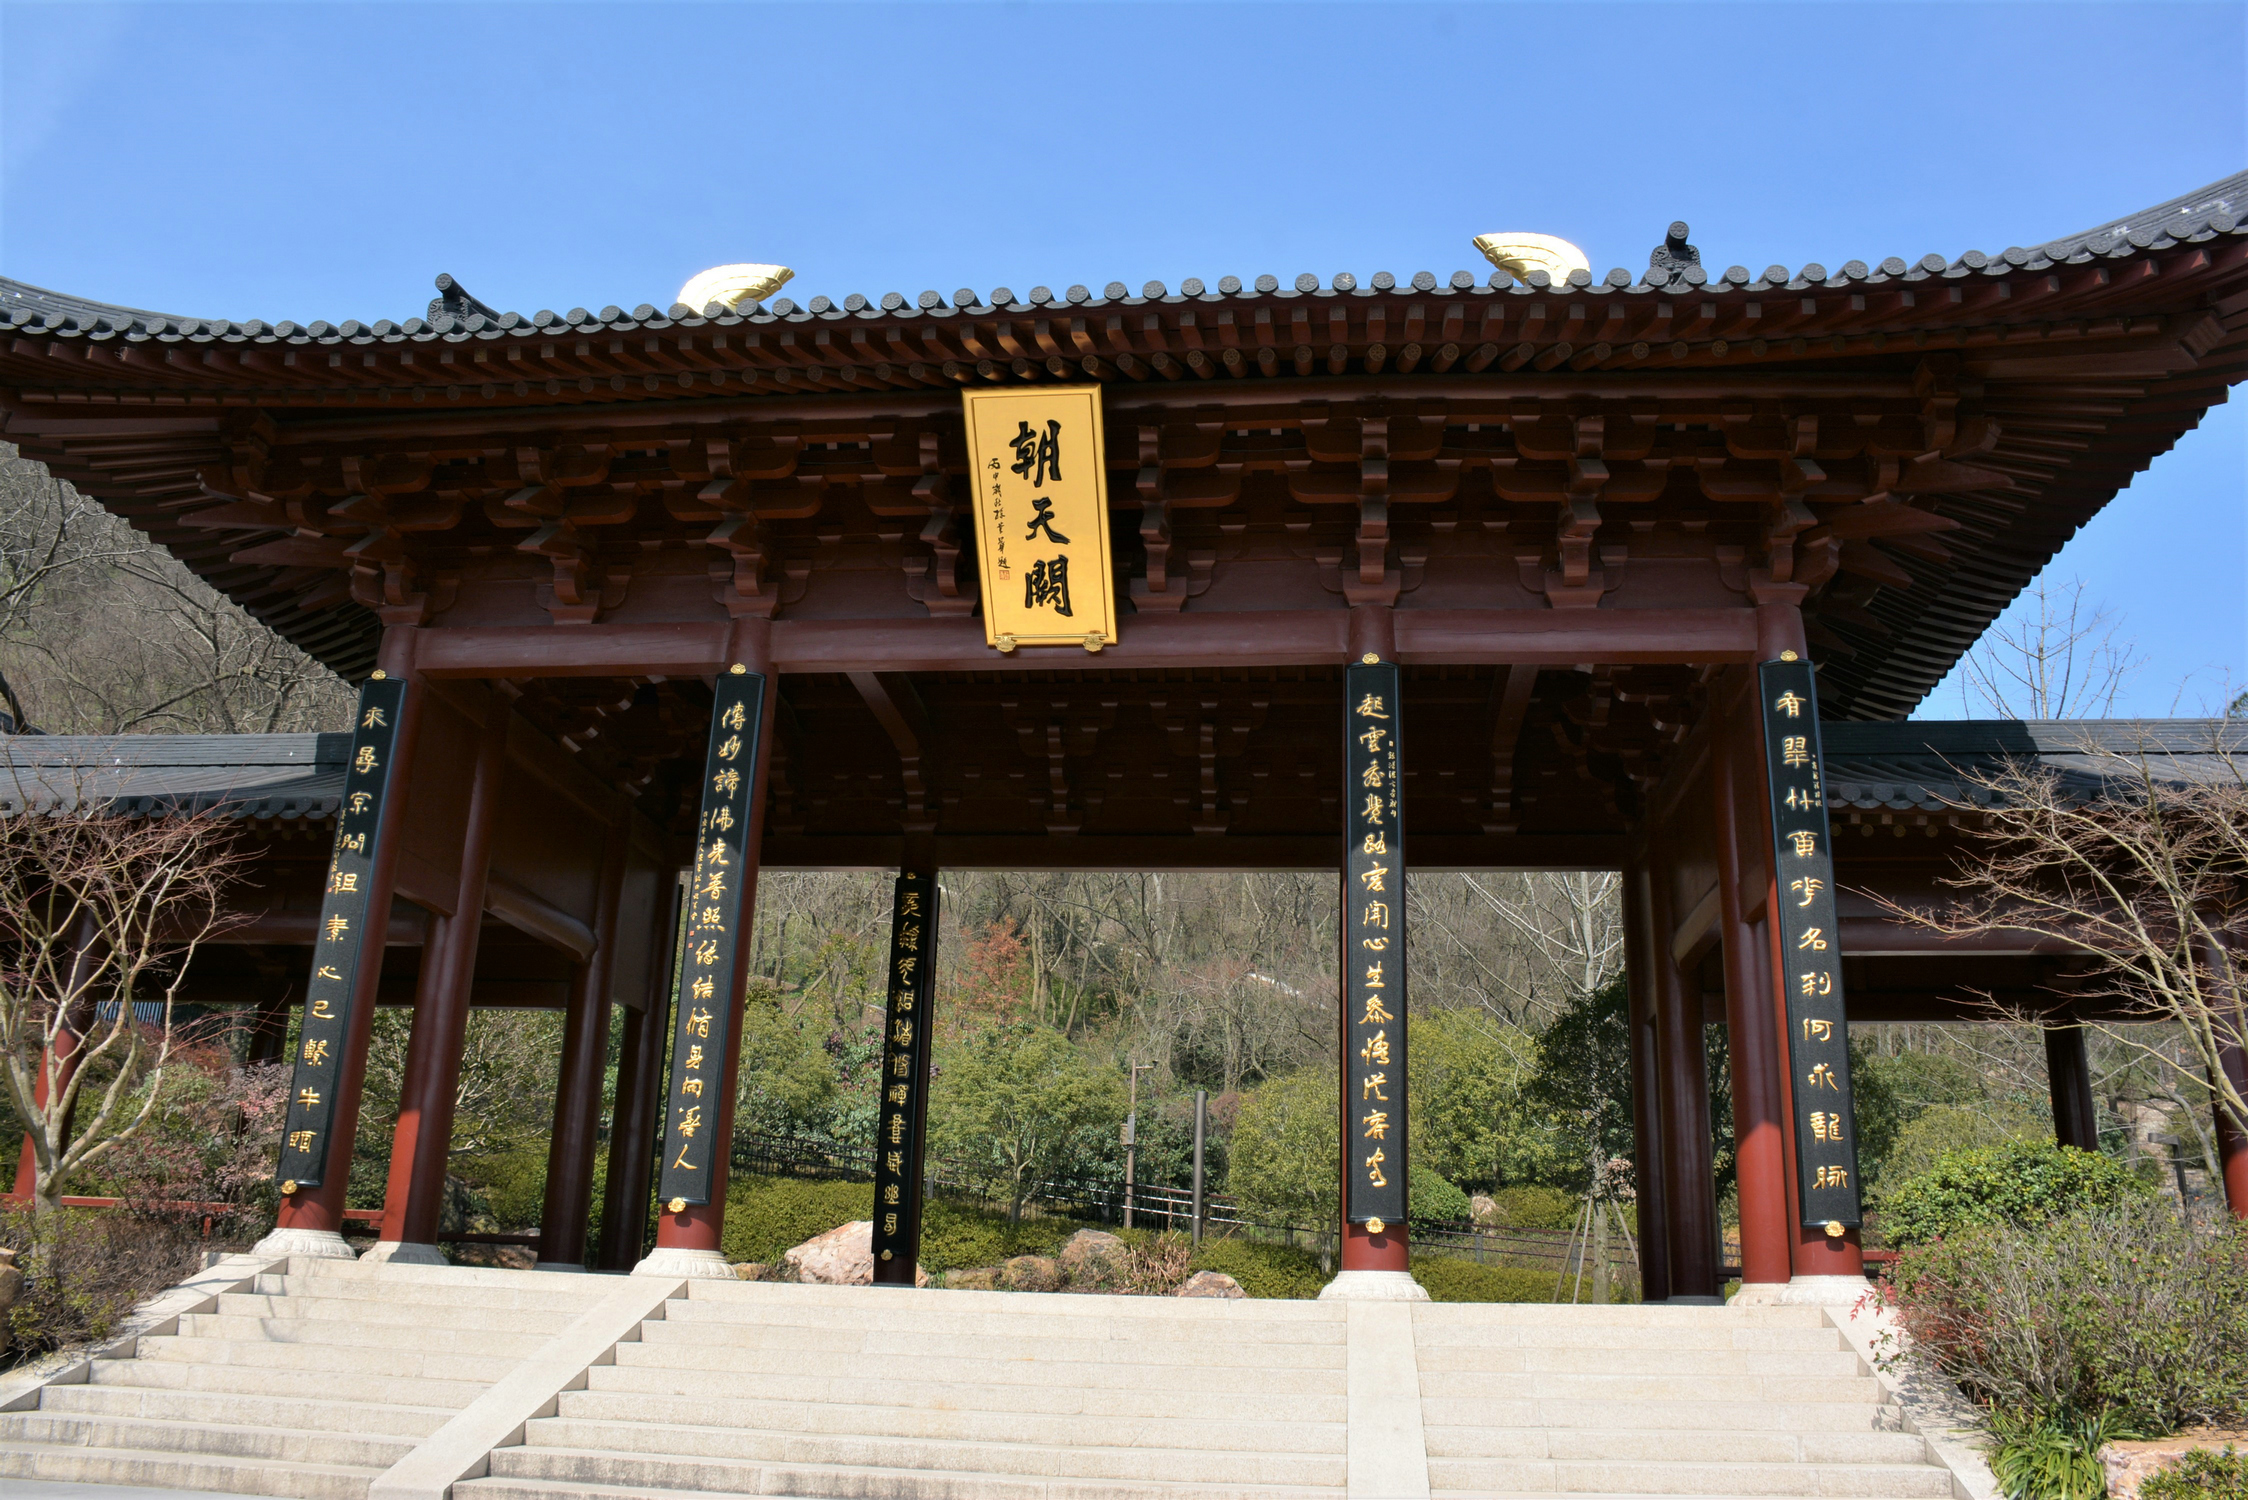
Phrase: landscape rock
[1210,1284]
[844,1256]
[981,1279]
[1093,1257]
[11,1288]
[1031,1273]
[2131,1464]
[752,1270]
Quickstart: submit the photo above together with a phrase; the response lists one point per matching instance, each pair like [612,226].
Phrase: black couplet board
[338,945]
[1810,948]
[709,996]
[1373,961]
[901,1121]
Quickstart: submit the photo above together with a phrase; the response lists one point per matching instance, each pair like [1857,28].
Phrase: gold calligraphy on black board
[717,887]
[1373,926]
[901,1122]
[338,945]
[1810,948]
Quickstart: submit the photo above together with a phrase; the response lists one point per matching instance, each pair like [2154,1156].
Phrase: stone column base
[404,1253]
[1802,1291]
[312,1244]
[701,1265]
[1373,1286]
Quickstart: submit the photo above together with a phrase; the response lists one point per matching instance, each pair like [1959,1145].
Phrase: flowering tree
[100,915]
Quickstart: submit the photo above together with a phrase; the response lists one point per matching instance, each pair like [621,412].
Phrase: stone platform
[335,1380]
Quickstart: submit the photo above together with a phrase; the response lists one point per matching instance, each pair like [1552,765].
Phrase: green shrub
[959,1235]
[2122,1310]
[768,1216]
[2053,1455]
[1448,1279]
[1264,1269]
[2201,1475]
[2017,1182]
[84,1269]
[1431,1197]
[512,1185]
[1537,1207]
[1938,1131]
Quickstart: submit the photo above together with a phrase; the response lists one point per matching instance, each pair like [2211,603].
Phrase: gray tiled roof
[2193,218]
[1926,765]
[246,775]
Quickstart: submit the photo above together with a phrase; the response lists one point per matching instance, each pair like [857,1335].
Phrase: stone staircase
[311,1385]
[315,1380]
[1527,1401]
[748,1388]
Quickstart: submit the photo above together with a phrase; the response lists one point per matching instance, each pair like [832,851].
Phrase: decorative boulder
[11,1288]
[1210,1284]
[1093,1257]
[1031,1273]
[844,1256]
[981,1279]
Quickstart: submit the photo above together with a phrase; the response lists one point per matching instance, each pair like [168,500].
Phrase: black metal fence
[1156,1206]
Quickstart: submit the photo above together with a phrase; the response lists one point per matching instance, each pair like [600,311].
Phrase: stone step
[1659,1445]
[259,1380]
[1480,1385]
[960,1420]
[811,1482]
[373,1312]
[327,1357]
[564,1282]
[207,1440]
[1059,1304]
[1613,1315]
[429,1337]
[1501,1477]
[1449,1409]
[651,1442]
[1566,1361]
[938,1343]
[157,1403]
[1103,1366]
[848,1481]
[1027,1315]
[562,1292]
[181,1471]
[1715,1335]
[1320,1402]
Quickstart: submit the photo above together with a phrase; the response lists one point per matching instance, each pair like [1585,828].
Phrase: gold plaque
[1038,458]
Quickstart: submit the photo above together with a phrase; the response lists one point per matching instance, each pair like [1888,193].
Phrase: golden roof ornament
[734,288]
[1518,254]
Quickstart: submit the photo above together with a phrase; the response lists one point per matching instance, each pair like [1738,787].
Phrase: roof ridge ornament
[1674,254]
[453,304]
[734,288]
[1518,253]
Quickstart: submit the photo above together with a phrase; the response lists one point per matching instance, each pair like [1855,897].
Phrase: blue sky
[317,160]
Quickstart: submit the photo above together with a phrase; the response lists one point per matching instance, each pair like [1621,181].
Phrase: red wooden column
[687,1242]
[1682,1090]
[577,1094]
[421,1146]
[311,1220]
[632,1128]
[2068,1079]
[1760,1121]
[1646,1107]
[1779,629]
[2232,1141]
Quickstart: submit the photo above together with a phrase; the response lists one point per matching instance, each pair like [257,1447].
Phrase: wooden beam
[1187,852]
[534,916]
[1262,638]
